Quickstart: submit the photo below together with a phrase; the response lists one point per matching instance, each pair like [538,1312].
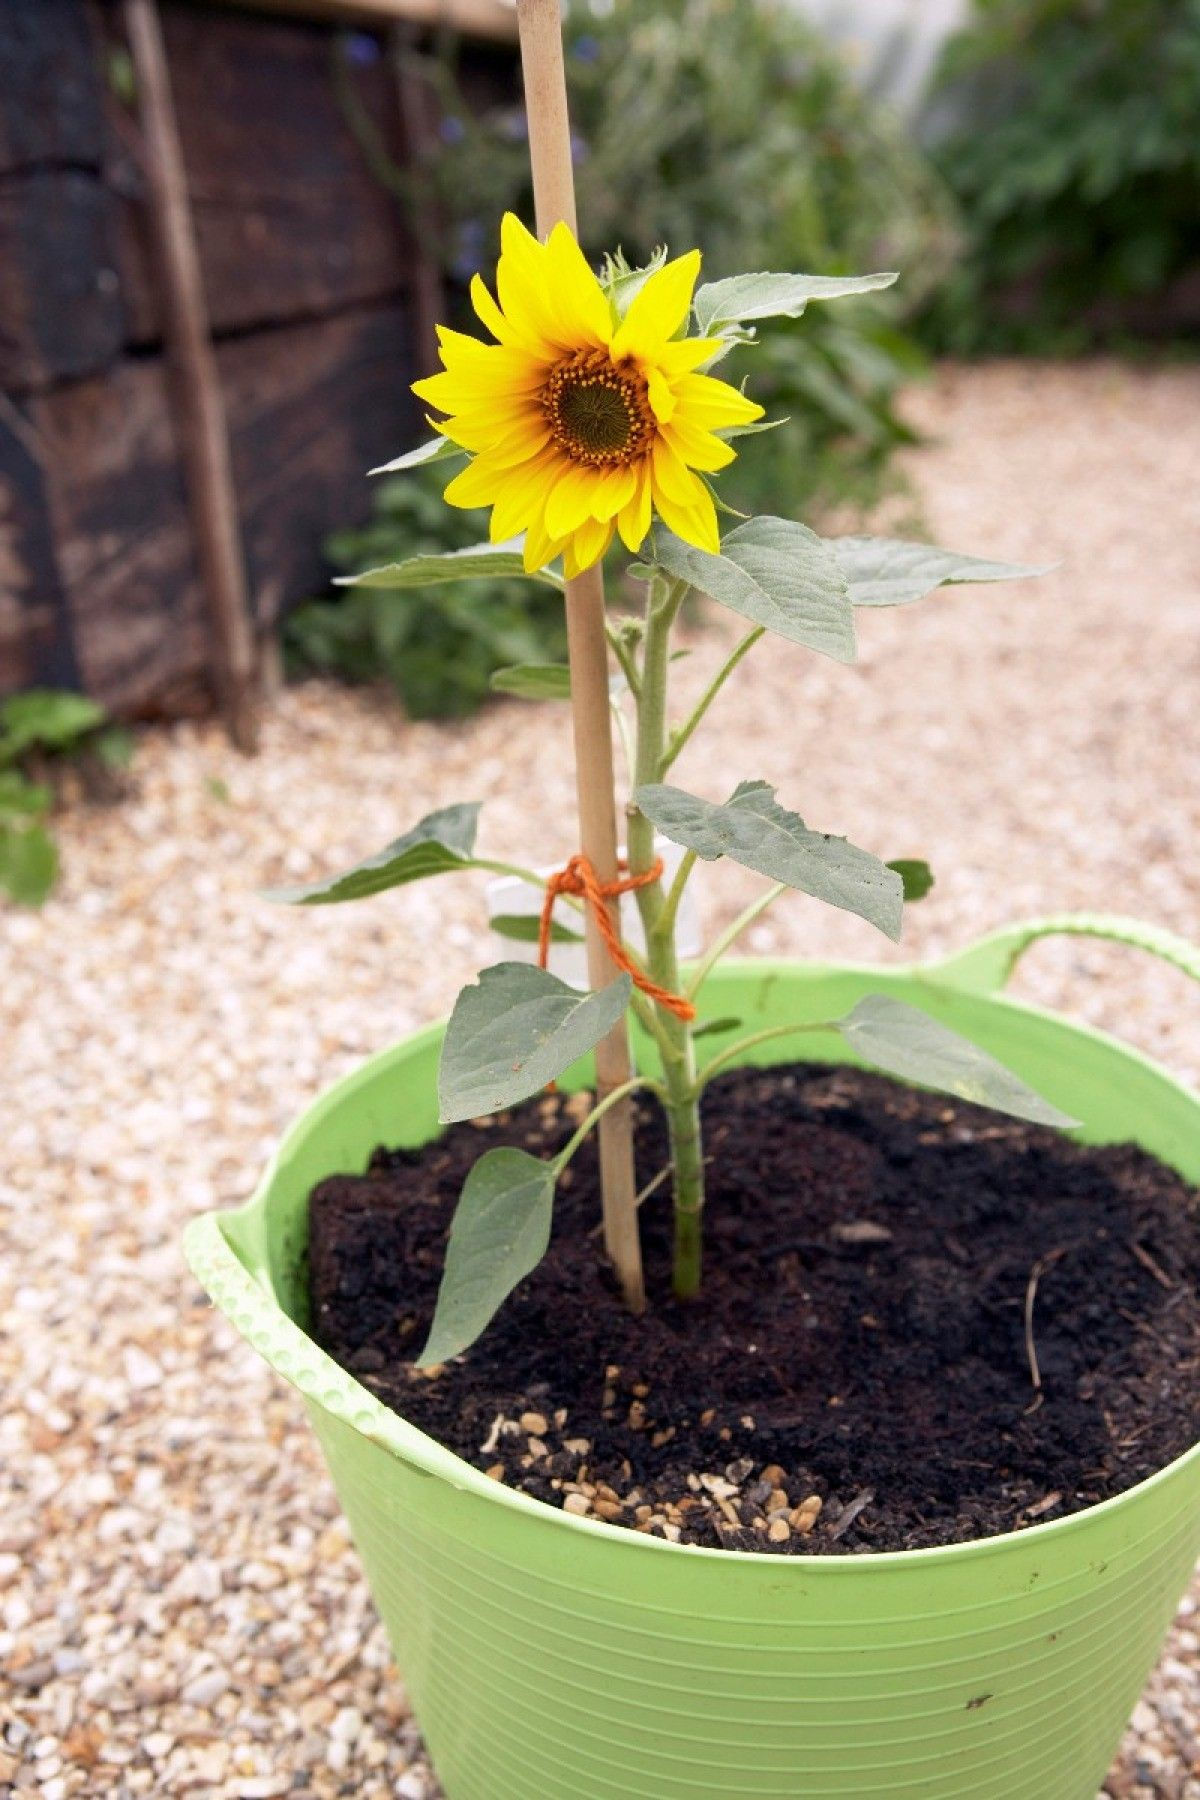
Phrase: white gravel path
[180,1613]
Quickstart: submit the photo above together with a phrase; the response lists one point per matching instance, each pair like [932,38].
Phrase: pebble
[160,1027]
[205,1689]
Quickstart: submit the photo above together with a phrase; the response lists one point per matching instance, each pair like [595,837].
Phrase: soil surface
[921,1322]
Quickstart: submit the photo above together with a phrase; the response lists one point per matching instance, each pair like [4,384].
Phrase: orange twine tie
[580,879]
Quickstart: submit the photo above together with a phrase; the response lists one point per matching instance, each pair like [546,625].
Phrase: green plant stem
[665,923]
[621,651]
[529,876]
[747,1043]
[682,733]
[731,934]
[597,1113]
[657,910]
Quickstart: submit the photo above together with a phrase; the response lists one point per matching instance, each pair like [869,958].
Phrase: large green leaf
[479,562]
[438,449]
[907,1042]
[775,573]
[514,1030]
[891,572]
[441,842]
[534,681]
[501,1231]
[47,718]
[28,863]
[764,296]
[752,829]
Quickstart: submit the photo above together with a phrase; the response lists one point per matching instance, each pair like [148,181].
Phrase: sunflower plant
[591,412]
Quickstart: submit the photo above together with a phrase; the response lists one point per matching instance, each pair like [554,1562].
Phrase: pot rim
[238,1280]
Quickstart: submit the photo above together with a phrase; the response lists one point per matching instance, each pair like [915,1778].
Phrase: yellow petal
[526,289]
[714,403]
[658,308]
[662,399]
[695,524]
[687,353]
[614,489]
[576,288]
[699,449]
[586,547]
[633,520]
[569,502]
[475,486]
[671,474]
[540,547]
[520,495]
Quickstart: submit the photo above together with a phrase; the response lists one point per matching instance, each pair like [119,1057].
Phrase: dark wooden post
[199,407]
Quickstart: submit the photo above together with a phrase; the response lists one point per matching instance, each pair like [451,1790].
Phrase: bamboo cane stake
[540,30]
[203,433]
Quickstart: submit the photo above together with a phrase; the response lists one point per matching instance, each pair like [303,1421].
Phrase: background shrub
[1068,130]
[437,649]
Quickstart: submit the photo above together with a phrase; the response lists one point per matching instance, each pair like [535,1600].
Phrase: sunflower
[581,423]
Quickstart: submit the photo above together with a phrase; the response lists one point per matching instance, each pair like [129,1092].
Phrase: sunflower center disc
[598,412]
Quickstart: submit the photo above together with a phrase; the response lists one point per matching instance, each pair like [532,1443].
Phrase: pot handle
[984,967]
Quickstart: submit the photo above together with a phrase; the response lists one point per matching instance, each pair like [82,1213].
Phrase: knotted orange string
[580,878]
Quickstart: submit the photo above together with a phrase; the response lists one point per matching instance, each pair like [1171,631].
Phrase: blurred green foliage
[438,648]
[38,730]
[732,125]
[1070,135]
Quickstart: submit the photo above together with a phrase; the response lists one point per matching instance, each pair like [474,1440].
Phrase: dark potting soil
[884,1272]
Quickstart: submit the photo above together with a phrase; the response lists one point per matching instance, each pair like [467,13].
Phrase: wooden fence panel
[301,450]
[290,221]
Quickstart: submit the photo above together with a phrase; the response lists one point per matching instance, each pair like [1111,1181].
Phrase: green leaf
[523,928]
[501,1231]
[917,877]
[479,562]
[438,449]
[20,798]
[890,572]
[775,573]
[907,1042]
[765,296]
[514,1030]
[711,1027]
[752,829]
[534,681]
[28,863]
[47,718]
[441,842]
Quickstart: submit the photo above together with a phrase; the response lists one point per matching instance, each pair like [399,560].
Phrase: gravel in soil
[921,1322]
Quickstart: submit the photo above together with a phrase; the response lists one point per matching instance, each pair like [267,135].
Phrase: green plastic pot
[550,1657]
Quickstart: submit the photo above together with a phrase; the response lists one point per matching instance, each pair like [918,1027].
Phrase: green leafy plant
[439,654]
[587,393]
[1067,130]
[739,127]
[38,727]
